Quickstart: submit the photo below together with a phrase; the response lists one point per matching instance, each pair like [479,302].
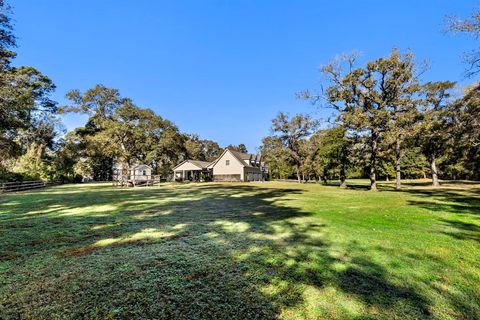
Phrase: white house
[237,166]
[230,166]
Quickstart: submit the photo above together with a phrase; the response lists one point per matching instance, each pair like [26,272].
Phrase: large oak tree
[372,100]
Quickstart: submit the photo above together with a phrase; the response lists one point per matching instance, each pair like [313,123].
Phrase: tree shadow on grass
[462,230]
[463,206]
[369,282]
[363,186]
[185,252]
[463,203]
[449,198]
[452,200]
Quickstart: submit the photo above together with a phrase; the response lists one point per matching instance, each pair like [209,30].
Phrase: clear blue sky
[223,69]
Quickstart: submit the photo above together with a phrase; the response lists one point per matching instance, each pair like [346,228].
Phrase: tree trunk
[373,161]
[398,159]
[298,175]
[343,183]
[433,167]
[387,178]
[324,178]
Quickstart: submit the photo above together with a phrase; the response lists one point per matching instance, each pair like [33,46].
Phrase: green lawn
[245,251]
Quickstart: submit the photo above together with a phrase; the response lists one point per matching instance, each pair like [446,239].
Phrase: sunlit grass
[244,251]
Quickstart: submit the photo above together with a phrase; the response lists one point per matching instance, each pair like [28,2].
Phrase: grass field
[240,251]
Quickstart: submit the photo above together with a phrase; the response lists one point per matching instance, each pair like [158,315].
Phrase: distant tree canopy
[289,134]
[118,131]
[200,149]
[31,142]
[388,124]
[240,148]
[377,100]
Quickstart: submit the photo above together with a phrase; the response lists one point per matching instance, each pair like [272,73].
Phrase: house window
[227,162]
[144,172]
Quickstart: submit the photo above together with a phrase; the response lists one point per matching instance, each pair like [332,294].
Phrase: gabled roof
[201,164]
[141,167]
[197,163]
[240,156]
[243,156]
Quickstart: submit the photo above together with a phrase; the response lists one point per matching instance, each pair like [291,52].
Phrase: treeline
[117,131]
[28,121]
[32,141]
[389,124]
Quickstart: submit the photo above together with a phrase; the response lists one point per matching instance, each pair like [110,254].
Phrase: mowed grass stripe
[237,251]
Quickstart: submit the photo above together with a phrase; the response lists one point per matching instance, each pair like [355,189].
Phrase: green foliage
[289,136]
[401,123]
[389,124]
[28,122]
[7,38]
[466,123]
[240,148]
[201,149]
[385,168]
[375,100]
[330,155]
[273,153]
[415,164]
[118,131]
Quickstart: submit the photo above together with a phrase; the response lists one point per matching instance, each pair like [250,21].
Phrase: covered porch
[192,170]
[192,175]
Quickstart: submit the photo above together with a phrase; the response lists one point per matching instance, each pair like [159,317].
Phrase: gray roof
[198,163]
[122,165]
[244,156]
[240,156]
[141,167]
[201,164]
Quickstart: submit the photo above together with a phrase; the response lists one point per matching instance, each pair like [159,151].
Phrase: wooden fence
[25,185]
[137,181]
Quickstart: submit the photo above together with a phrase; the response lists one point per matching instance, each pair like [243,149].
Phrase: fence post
[26,185]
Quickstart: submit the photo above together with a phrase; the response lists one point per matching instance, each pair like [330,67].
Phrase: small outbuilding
[141,172]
